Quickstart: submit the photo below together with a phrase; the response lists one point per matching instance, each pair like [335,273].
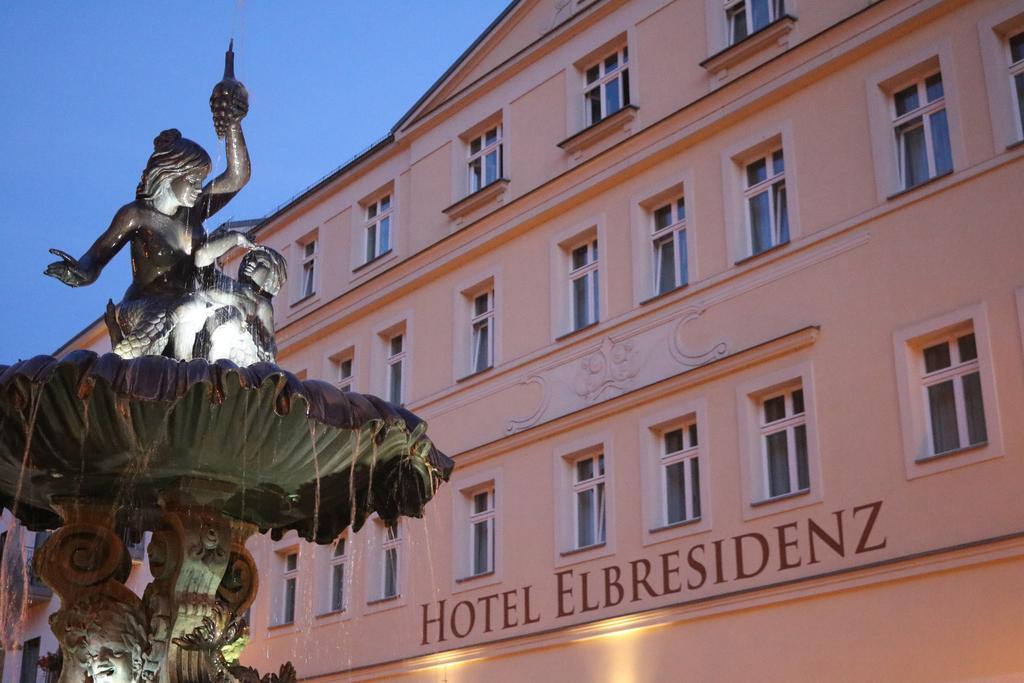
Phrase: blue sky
[88,85]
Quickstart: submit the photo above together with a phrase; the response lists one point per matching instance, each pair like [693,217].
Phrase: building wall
[866,263]
[893,564]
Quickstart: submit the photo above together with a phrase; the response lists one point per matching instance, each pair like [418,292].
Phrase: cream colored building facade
[718,307]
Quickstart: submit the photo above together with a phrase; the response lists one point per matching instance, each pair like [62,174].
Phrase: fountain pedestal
[203,581]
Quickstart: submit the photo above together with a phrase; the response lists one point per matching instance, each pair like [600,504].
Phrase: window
[396,368]
[680,474]
[747,16]
[765,196]
[338,560]
[952,385]
[607,86]
[482,331]
[289,577]
[344,365]
[583,285]
[345,374]
[922,131]
[485,159]
[948,396]
[29,661]
[589,508]
[389,562]
[1016,45]
[669,239]
[308,280]
[784,442]
[378,228]
[481,521]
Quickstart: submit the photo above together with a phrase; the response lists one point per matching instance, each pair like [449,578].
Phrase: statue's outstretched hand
[245,243]
[67,270]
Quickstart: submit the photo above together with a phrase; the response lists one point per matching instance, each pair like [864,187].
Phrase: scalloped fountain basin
[267,448]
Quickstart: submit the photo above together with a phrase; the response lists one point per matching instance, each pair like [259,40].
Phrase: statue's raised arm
[163,227]
[229,103]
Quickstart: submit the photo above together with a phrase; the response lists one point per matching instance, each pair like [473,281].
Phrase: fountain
[189,431]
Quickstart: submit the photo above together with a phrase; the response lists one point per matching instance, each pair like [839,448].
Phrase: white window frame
[289,582]
[597,484]
[776,10]
[308,268]
[466,485]
[396,359]
[788,425]
[390,543]
[618,75]
[955,373]
[478,322]
[689,455]
[339,557]
[675,233]
[908,345]
[925,111]
[754,472]
[678,412]
[486,517]
[344,365]
[589,272]
[773,185]
[1015,70]
[477,179]
[377,215]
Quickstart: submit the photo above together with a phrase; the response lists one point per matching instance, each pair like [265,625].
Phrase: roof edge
[456,64]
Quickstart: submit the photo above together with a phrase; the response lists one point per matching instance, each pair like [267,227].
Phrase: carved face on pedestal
[105,635]
[110,665]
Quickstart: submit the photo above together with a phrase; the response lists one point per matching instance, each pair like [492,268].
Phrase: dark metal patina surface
[283,453]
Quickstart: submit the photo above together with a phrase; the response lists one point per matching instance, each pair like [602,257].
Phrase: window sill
[380,601]
[376,259]
[676,525]
[609,125]
[576,331]
[467,579]
[776,499]
[332,613]
[1015,145]
[723,60]
[662,295]
[466,378]
[304,300]
[281,627]
[919,185]
[748,259]
[947,454]
[577,551]
[484,195]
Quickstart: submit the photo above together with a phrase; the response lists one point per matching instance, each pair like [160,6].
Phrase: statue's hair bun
[166,139]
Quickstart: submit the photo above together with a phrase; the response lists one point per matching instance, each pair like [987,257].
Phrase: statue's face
[263,277]
[110,666]
[186,187]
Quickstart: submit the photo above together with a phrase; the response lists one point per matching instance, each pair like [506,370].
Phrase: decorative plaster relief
[607,372]
[519,424]
[613,367]
[680,353]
